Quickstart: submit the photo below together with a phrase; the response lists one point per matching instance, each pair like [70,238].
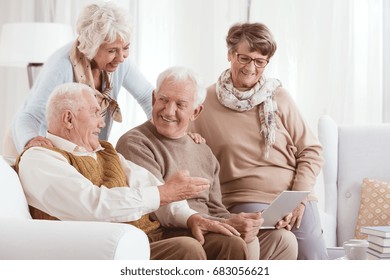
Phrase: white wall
[329,57]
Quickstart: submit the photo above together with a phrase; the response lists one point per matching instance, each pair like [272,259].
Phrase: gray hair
[68,96]
[178,74]
[99,23]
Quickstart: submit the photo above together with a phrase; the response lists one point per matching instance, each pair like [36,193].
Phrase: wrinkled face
[87,123]
[109,56]
[245,76]
[173,108]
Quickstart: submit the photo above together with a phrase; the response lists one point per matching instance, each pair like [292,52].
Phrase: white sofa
[351,152]
[21,237]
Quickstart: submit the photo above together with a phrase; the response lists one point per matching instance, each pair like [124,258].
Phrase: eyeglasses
[244,59]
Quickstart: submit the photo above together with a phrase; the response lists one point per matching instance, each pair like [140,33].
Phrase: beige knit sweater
[246,175]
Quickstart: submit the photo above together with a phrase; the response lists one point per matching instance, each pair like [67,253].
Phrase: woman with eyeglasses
[261,141]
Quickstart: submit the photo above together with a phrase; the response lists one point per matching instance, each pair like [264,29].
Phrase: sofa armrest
[64,240]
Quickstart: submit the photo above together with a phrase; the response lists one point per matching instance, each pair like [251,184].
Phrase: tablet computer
[282,205]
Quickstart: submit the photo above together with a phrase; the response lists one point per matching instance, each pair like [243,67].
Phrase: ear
[153,98]
[197,112]
[230,56]
[67,119]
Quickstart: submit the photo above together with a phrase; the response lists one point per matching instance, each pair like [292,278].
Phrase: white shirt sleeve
[57,188]
[174,214]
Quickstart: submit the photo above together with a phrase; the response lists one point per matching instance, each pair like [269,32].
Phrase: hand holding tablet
[282,205]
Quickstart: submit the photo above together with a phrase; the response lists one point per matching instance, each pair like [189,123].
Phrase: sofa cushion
[13,202]
[374,205]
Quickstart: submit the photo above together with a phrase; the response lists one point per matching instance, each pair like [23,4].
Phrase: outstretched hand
[181,186]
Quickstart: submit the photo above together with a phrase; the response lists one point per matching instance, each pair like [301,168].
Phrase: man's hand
[181,186]
[248,224]
[200,226]
[39,141]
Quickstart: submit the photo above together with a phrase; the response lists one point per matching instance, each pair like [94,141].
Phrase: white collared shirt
[54,186]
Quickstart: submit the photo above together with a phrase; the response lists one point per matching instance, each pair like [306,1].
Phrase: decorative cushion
[13,202]
[374,205]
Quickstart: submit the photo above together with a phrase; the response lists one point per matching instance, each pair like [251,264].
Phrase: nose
[170,108]
[251,65]
[101,123]
[121,55]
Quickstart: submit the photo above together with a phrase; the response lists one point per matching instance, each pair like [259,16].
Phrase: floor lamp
[31,43]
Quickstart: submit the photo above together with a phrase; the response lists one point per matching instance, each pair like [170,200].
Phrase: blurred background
[333,56]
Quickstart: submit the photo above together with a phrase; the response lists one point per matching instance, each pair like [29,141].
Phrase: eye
[245,59]
[181,105]
[163,99]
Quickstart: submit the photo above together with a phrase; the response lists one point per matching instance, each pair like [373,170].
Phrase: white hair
[178,73]
[99,23]
[68,96]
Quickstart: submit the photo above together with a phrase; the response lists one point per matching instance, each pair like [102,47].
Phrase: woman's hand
[198,139]
[285,223]
[39,141]
[297,215]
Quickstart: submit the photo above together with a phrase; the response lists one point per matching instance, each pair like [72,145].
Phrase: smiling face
[85,124]
[173,108]
[246,76]
[110,55]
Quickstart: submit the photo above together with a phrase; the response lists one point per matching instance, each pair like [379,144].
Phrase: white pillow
[13,203]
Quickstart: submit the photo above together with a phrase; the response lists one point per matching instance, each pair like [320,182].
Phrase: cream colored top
[246,175]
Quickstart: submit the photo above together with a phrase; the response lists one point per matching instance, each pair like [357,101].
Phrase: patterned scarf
[83,74]
[261,94]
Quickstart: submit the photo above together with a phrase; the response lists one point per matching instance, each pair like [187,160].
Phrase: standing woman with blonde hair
[98,58]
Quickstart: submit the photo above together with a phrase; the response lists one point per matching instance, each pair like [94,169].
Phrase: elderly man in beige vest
[82,178]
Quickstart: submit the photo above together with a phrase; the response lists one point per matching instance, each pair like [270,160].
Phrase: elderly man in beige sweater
[162,146]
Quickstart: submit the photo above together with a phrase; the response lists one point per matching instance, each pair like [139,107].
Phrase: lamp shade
[31,42]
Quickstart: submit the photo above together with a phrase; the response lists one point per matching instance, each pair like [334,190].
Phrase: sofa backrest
[352,153]
[13,203]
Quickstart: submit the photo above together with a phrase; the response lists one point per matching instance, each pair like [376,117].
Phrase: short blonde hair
[99,23]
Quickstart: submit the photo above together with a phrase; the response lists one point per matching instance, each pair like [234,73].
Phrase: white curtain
[329,57]
[179,32]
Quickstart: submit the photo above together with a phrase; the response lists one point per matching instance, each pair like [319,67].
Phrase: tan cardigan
[246,175]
